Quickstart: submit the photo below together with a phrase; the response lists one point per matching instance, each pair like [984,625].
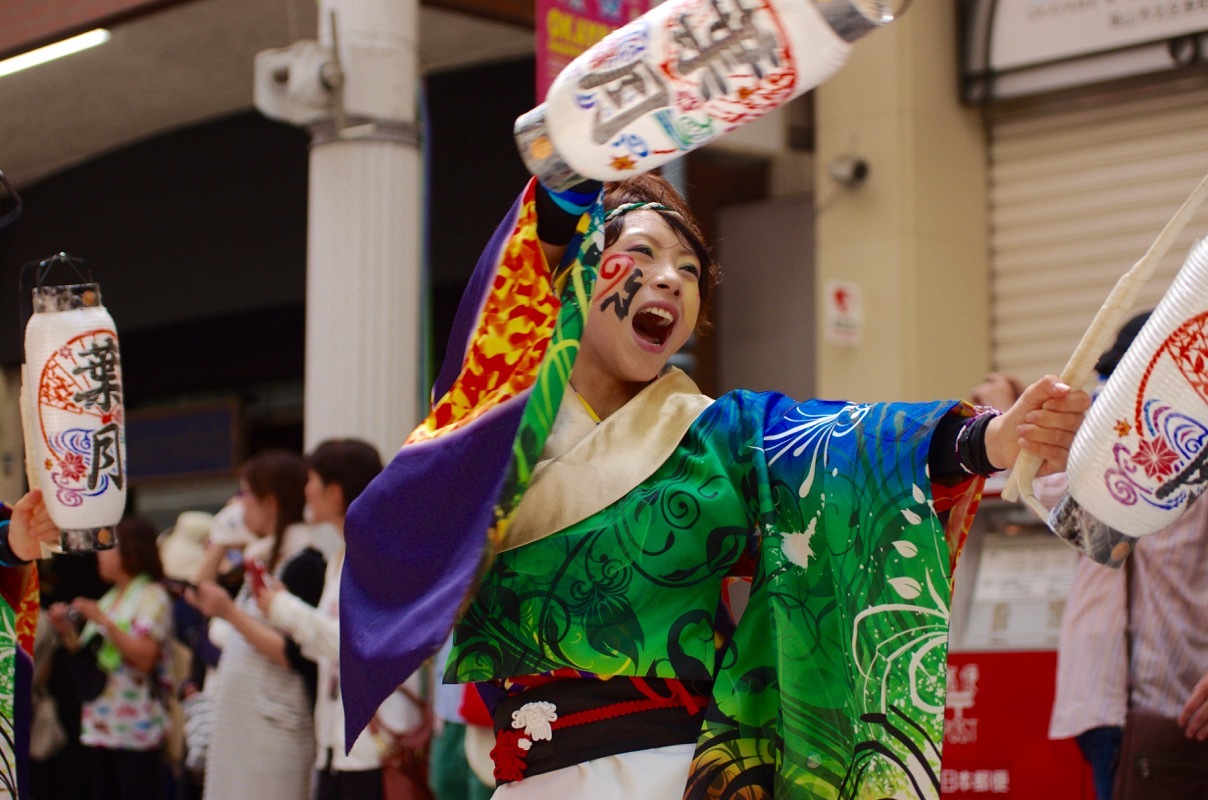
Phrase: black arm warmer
[944,461]
[556,223]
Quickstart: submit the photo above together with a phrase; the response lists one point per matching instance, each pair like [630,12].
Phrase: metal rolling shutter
[1076,197]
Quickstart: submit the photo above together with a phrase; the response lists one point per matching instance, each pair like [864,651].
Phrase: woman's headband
[648,205]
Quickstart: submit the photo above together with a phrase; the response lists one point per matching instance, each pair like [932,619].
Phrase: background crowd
[202,661]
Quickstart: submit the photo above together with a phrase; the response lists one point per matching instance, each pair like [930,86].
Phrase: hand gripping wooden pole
[1099,335]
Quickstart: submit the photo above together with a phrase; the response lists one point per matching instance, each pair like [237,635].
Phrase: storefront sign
[996,725]
[975,781]
[1029,32]
[184,442]
[565,28]
[1020,47]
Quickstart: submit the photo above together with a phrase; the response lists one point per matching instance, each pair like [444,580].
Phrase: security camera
[848,171]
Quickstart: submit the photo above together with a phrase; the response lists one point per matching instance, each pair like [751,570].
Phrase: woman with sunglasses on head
[604,624]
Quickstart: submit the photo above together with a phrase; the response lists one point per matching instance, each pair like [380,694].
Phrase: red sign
[565,28]
[996,726]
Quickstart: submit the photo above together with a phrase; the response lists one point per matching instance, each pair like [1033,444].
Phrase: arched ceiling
[186,63]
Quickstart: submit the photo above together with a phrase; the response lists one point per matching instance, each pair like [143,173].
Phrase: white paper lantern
[681,75]
[1140,457]
[75,415]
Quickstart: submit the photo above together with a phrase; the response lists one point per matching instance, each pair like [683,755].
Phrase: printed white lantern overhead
[681,75]
[74,414]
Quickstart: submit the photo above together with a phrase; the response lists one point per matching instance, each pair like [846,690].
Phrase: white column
[364,238]
[363,293]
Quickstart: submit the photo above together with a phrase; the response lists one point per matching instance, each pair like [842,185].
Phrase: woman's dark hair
[651,188]
[349,463]
[138,547]
[1110,359]
[280,474]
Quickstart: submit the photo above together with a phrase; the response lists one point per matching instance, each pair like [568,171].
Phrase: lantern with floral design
[1141,456]
[73,409]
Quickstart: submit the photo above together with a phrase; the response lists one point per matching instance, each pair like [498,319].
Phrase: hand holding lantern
[73,410]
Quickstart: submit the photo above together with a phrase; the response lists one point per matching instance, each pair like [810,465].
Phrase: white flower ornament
[535,718]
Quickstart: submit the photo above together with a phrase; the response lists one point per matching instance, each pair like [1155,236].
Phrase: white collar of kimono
[585,467]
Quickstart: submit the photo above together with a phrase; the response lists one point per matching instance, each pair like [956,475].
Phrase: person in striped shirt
[1159,596]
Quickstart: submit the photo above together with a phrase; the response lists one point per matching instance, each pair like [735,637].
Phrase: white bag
[46,737]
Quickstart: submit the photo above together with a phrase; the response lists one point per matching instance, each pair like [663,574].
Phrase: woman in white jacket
[338,470]
[262,735]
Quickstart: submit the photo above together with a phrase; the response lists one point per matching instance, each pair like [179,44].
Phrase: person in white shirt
[338,470]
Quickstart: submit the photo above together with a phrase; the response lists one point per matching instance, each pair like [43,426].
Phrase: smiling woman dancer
[600,625]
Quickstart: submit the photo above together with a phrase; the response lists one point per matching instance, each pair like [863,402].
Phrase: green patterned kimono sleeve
[833,684]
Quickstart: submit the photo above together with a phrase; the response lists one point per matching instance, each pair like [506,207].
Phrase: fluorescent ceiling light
[52,51]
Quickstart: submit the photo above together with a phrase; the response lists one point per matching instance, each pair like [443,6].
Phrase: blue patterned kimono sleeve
[833,685]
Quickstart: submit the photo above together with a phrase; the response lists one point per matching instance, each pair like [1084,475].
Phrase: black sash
[596,718]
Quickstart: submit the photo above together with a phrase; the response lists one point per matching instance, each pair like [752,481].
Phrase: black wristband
[971,444]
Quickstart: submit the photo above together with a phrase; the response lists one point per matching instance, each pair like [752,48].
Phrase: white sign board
[1020,593]
[844,313]
[1030,32]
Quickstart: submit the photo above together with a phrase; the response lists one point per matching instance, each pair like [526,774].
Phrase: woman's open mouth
[653,324]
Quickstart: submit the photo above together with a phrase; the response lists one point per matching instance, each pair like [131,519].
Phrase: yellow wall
[913,237]
[12,445]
